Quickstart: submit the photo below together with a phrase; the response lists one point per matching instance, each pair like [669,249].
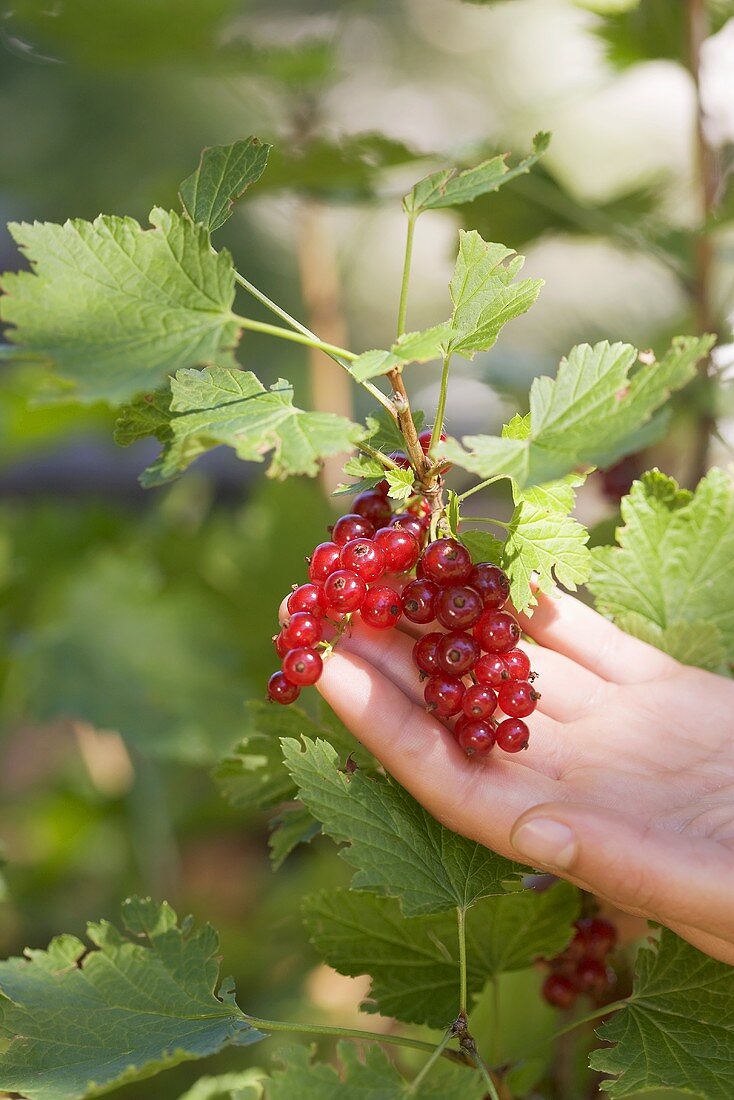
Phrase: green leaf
[397,848]
[413,962]
[483,546]
[676,1031]
[248,1084]
[401,483]
[384,434]
[672,567]
[225,172]
[80,1022]
[148,415]
[116,308]
[374,1078]
[371,364]
[450,187]
[411,347]
[221,406]
[294,825]
[586,415]
[484,293]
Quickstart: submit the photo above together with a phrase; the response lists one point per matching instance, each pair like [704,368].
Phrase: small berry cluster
[478,642]
[583,967]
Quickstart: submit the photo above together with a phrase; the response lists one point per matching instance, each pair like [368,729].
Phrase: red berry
[364,557]
[443,695]
[476,737]
[518,699]
[425,653]
[281,690]
[512,735]
[425,439]
[400,459]
[457,652]
[458,607]
[381,608]
[419,601]
[345,590]
[400,547]
[497,631]
[491,669]
[446,561]
[351,526]
[421,508]
[559,991]
[592,976]
[517,663]
[301,629]
[596,935]
[302,666]
[491,583]
[324,560]
[373,506]
[382,487]
[408,522]
[309,598]
[280,645]
[479,701]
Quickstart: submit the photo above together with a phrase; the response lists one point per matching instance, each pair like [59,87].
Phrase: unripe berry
[491,583]
[373,506]
[443,695]
[302,666]
[344,590]
[281,690]
[497,631]
[364,557]
[517,664]
[518,699]
[381,608]
[446,561]
[491,669]
[559,991]
[479,701]
[351,526]
[458,607]
[301,629]
[476,737]
[425,653]
[419,601]
[308,598]
[400,547]
[324,560]
[512,735]
[457,652]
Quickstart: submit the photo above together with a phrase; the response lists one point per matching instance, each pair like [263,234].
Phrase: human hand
[627,788]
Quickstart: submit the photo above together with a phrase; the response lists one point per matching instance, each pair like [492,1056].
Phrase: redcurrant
[458,607]
[512,735]
[400,547]
[344,590]
[457,652]
[323,561]
[446,561]
[491,669]
[425,439]
[309,598]
[518,699]
[301,629]
[517,663]
[363,557]
[597,935]
[443,695]
[351,526]
[419,601]
[281,690]
[497,631]
[381,608]
[479,701]
[408,522]
[373,506]
[476,737]
[559,991]
[400,459]
[280,646]
[491,583]
[592,976]
[302,666]
[425,653]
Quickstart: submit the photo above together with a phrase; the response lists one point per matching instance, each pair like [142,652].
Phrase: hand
[627,788]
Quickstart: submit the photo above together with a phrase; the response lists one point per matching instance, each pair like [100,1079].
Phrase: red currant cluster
[583,967]
[478,643]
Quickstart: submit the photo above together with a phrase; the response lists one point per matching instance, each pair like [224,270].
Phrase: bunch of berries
[583,967]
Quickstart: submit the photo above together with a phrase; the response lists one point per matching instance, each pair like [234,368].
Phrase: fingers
[578,632]
[567,691]
[676,880]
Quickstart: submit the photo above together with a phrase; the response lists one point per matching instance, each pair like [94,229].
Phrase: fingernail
[546,843]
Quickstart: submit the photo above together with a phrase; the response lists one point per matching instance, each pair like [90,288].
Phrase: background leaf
[224,174]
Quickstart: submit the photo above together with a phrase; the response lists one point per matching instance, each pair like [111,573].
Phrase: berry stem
[461,924]
[441,406]
[403,306]
[477,488]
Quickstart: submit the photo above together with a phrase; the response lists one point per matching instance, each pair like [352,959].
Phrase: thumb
[664,875]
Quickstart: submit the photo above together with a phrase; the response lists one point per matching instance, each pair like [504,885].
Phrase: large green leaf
[676,1031]
[225,172]
[413,962]
[115,308]
[669,580]
[80,1022]
[397,848]
[589,415]
[247,1084]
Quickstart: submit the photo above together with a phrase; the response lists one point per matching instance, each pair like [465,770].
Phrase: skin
[627,788]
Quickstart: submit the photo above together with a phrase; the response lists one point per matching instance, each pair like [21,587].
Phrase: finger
[567,691]
[578,632]
[668,877]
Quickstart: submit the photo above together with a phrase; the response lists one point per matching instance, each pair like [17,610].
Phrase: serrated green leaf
[411,347]
[142,1001]
[294,825]
[482,546]
[383,432]
[148,415]
[586,415]
[673,565]
[222,406]
[697,642]
[115,307]
[401,483]
[371,364]
[676,1030]
[450,187]
[484,293]
[397,848]
[414,963]
[374,1078]
[248,1084]
[225,172]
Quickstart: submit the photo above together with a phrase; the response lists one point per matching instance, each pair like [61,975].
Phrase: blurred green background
[133,625]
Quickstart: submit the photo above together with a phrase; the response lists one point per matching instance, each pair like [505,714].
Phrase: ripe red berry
[280,645]
[517,698]
[479,701]
[345,590]
[491,669]
[373,506]
[497,631]
[419,601]
[351,526]
[476,737]
[324,560]
[457,652]
[458,607]
[425,653]
[592,976]
[443,695]
[381,608]
[281,690]
[301,629]
[400,547]
[309,598]
[446,561]
[421,508]
[408,522]
[517,664]
[596,936]
[559,991]
[425,439]
[364,557]
[512,735]
[491,583]
[302,666]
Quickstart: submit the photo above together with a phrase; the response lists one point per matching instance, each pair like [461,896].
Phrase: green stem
[438,1051]
[461,921]
[488,519]
[350,1033]
[495,1034]
[272,306]
[386,461]
[294,337]
[441,406]
[485,1074]
[403,307]
[480,486]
